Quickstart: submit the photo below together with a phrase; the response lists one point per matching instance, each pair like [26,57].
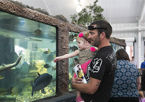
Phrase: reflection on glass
[72,61]
[36,43]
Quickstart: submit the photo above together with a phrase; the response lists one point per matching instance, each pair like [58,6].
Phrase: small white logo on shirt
[97,64]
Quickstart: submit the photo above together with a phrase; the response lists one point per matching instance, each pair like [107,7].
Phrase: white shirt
[134,62]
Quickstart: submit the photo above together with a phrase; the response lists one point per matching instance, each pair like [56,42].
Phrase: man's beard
[97,42]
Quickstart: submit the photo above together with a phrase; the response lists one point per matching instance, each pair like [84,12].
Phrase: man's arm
[89,88]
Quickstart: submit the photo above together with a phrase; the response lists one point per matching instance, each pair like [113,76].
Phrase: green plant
[88,14]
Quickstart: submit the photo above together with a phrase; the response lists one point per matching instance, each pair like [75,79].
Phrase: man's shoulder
[107,56]
[105,50]
[143,64]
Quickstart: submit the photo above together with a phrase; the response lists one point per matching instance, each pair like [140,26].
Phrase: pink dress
[85,57]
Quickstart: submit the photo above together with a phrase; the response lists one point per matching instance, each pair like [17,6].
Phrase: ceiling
[115,11]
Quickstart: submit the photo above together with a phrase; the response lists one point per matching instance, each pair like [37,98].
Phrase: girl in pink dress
[85,54]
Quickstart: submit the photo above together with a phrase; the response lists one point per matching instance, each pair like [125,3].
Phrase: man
[133,61]
[101,70]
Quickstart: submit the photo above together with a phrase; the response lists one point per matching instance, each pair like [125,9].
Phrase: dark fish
[41,82]
[46,66]
[37,32]
[71,38]
[76,61]
[73,48]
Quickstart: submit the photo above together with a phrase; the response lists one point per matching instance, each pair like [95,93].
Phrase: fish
[9,66]
[41,82]
[1,77]
[76,61]
[72,37]
[47,52]
[15,90]
[37,32]
[73,48]
[46,65]
[54,68]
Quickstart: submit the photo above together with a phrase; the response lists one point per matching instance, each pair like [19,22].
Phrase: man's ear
[102,35]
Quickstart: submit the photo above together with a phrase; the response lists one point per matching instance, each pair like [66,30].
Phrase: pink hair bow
[92,49]
[81,35]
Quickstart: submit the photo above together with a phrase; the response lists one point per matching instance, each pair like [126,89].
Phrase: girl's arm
[96,49]
[66,56]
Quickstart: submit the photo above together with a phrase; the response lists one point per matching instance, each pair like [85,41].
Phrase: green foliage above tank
[90,13]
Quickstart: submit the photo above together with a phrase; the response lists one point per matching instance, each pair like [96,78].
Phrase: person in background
[101,70]
[133,61]
[143,77]
[86,53]
[143,65]
[127,80]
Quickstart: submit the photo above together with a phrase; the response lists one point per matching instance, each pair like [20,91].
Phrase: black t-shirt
[102,67]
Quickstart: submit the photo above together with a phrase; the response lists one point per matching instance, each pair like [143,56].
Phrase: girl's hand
[56,59]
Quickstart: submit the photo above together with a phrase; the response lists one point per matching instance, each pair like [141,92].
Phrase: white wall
[132,33]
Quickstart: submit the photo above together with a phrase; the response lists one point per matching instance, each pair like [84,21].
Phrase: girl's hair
[85,34]
[121,54]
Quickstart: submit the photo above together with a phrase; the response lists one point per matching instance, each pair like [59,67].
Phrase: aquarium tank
[27,50]
[74,60]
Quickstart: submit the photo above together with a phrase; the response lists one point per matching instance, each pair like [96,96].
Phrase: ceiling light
[79,8]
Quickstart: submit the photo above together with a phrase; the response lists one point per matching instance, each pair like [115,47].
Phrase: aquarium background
[72,47]
[36,43]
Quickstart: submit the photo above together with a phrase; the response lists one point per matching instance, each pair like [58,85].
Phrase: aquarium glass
[27,50]
[73,60]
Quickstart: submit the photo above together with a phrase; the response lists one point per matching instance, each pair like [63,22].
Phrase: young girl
[85,53]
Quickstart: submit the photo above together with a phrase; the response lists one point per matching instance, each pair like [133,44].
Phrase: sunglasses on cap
[92,28]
